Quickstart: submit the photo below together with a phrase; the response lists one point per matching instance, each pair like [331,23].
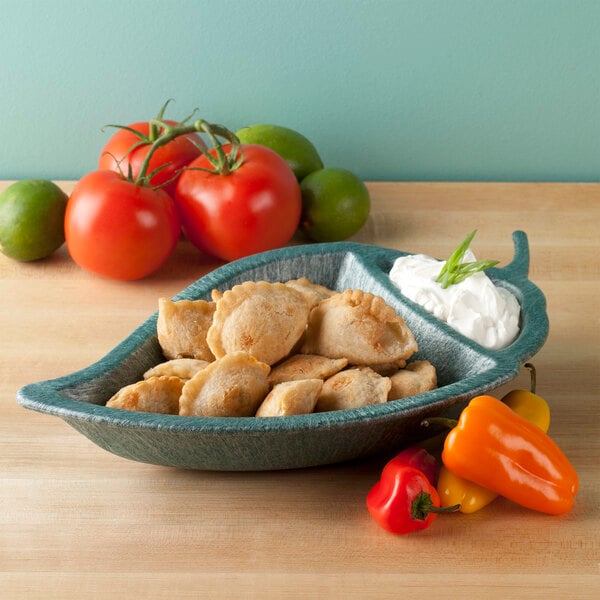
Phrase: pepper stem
[443,421]
[532,375]
[422,505]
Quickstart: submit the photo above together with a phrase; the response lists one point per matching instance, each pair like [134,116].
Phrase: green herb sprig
[455,271]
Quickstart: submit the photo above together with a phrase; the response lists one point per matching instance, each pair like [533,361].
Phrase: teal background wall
[392,89]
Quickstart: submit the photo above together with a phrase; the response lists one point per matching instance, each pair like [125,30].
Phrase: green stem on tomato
[168,134]
[154,127]
[224,163]
[221,160]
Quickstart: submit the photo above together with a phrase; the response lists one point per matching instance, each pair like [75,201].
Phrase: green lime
[293,147]
[335,205]
[32,214]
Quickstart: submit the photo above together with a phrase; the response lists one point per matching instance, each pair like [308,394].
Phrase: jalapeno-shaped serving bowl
[465,369]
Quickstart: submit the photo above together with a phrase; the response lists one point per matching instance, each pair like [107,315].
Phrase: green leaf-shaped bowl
[465,369]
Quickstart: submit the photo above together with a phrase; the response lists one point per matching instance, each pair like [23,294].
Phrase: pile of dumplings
[276,349]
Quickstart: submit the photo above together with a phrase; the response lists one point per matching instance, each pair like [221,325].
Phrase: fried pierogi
[182,326]
[387,369]
[306,366]
[353,388]
[313,292]
[276,349]
[155,395]
[417,378]
[358,326]
[260,318]
[291,398]
[184,368]
[216,295]
[231,386]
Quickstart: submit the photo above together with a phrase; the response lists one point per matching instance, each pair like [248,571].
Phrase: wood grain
[78,522]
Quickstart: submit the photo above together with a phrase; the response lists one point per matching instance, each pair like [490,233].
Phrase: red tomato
[118,229]
[175,155]
[252,209]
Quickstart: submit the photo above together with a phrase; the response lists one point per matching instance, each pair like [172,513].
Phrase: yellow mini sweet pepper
[528,404]
[453,490]
[472,497]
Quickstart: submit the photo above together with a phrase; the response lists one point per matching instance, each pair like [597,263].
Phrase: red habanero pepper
[404,500]
[419,458]
[496,448]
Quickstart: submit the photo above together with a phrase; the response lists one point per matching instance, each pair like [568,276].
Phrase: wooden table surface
[79,522]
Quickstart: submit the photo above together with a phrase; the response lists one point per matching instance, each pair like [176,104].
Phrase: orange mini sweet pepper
[472,497]
[498,449]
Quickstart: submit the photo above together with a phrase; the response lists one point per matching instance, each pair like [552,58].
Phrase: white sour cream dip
[475,307]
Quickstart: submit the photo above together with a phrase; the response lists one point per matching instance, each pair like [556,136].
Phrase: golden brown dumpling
[313,292]
[417,378]
[387,369]
[231,386]
[306,366]
[260,318]
[184,368]
[182,326]
[291,398]
[359,326]
[353,388]
[216,295]
[155,395]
